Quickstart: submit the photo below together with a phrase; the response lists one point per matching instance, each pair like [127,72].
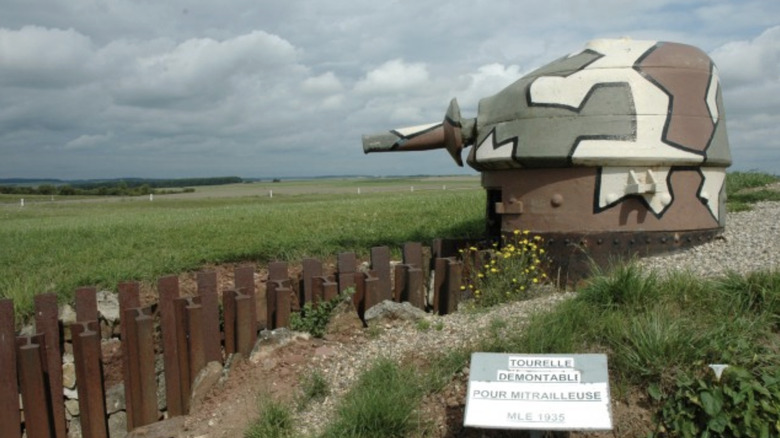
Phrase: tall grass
[61,246]
[383,404]
[654,326]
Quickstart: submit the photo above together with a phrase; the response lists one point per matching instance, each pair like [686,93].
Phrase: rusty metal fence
[189,332]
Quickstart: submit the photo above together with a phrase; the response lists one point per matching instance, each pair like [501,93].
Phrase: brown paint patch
[684,72]
[536,188]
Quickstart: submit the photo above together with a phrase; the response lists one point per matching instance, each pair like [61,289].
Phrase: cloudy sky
[255,88]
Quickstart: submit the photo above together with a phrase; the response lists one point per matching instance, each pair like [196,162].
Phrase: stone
[108,306]
[68,316]
[162,400]
[115,399]
[390,310]
[74,428]
[69,375]
[204,381]
[169,428]
[72,394]
[72,407]
[117,425]
[343,319]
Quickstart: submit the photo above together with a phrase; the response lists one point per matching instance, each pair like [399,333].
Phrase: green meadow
[59,245]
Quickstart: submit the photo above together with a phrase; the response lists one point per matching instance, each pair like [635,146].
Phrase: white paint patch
[712,95]
[617,182]
[411,131]
[486,151]
[714,178]
[651,105]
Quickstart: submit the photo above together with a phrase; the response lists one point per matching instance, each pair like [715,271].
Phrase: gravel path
[750,242]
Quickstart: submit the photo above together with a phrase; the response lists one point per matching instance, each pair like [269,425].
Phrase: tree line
[121,187]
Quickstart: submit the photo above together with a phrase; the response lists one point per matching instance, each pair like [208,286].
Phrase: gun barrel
[413,138]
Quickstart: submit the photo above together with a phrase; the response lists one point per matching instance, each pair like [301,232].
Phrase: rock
[74,428]
[170,428]
[67,357]
[344,319]
[72,394]
[204,381]
[68,316]
[72,407]
[115,399]
[108,306]
[69,375]
[390,310]
[117,425]
[162,397]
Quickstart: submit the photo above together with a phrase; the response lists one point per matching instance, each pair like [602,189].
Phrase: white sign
[538,392]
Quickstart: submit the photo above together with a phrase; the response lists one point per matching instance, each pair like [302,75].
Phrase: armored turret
[618,149]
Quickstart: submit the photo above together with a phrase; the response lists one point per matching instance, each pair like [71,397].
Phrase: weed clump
[504,273]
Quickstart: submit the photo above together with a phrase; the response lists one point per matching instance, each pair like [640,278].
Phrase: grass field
[63,244]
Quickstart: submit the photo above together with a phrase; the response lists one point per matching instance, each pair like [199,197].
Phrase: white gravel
[750,242]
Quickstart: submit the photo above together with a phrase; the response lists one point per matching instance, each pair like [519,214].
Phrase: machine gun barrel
[413,138]
[448,134]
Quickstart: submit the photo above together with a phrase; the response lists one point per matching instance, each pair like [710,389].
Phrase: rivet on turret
[556,200]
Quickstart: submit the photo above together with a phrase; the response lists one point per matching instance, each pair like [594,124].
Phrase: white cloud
[204,69]
[747,62]
[35,56]
[393,77]
[87,141]
[326,83]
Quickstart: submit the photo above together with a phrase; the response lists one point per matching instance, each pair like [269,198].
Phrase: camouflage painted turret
[618,149]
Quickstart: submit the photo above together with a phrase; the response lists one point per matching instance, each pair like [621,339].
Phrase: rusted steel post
[36,396]
[245,283]
[278,278]
[283,305]
[439,280]
[47,322]
[413,255]
[399,282]
[414,287]
[197,354]
[244,339]
[278,271]
[10,416]
[270,303]
[317,289]
[330,289]
[358,298]
[447,284]
[141,382]
[182,356]
[380,264]
[168,289]
[229,315]
[129,298]
[86,304]
[454,279]
[207,290]
[89,378]
[347,265]
[367,291]
[311,268]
